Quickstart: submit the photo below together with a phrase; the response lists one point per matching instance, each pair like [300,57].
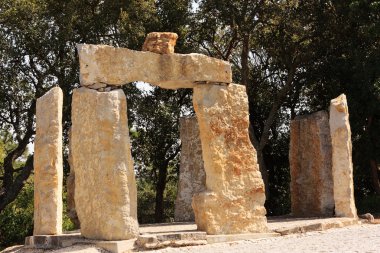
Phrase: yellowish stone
[234,200]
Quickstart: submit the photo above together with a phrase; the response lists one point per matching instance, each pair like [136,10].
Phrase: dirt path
[360,238]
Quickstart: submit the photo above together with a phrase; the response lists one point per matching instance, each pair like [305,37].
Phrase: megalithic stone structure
[310,166]
[48,170]
[342,167]
[234,200]
[100,64]
[105,187]
[192,176]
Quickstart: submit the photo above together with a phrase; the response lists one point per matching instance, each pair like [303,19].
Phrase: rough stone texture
[342,169]
[160,42]
[235,196]
[192,176]
[118,66]
[105,187]
[310,166]
[48,170]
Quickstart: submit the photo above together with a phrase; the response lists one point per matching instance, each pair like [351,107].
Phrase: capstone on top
[160,42]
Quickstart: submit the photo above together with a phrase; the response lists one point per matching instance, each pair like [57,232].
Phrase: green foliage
[16,220]
[67,224]
[145,201]
[146,193]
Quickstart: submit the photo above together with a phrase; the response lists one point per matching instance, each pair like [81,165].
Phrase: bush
[16,220]
[146,196]
[368,204]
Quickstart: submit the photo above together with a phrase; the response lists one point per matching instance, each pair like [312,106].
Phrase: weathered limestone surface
[235,196]
[160,42]
[48,170]
[118,66]
[342,158]
[310,166]
[105,187]
[192,176]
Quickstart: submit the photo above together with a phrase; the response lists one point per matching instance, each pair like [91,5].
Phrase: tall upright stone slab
[105,187]
[311,166]
[48,170]
[342,158]
[192,176]
[234,200]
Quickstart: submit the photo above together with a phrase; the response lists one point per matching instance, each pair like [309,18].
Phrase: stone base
[185,234]
[53,241]
[174,239]
[67,240]
[116,246]
[238,237]
[290,225]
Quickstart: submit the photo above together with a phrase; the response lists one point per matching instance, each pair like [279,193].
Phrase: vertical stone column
[105,187]
[235,196]
[192,176]
[342,158]
[48,170]
[310,166]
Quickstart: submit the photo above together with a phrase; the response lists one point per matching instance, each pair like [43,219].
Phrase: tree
[37,45]
[156,143]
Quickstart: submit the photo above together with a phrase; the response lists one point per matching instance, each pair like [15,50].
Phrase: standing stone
[192,176]
[342,167]
[105,187]
[235,196]
[48,170]
[160,42]
[310,166]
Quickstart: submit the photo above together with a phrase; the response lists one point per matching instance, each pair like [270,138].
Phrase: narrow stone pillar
[105,187]
[48,170]
[342,167]
[192,176]
[310,166]
[235,196]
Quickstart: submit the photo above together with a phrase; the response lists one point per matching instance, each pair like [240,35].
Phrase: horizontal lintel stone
[119,66]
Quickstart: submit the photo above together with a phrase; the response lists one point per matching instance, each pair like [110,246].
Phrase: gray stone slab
[53,241]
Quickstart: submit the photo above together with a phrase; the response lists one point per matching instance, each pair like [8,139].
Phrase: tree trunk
[160,189]
[10,193]
[255,142]
[375,176]
[260,159]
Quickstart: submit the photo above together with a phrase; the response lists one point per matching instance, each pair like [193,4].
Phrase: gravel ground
[359,238]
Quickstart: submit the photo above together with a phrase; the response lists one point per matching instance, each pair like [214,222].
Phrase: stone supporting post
[234,200]
[192,177]
[342,167]
[310,166]
[48,170]
[105,187]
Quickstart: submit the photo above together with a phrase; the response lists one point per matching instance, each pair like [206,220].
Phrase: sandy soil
[360,238]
